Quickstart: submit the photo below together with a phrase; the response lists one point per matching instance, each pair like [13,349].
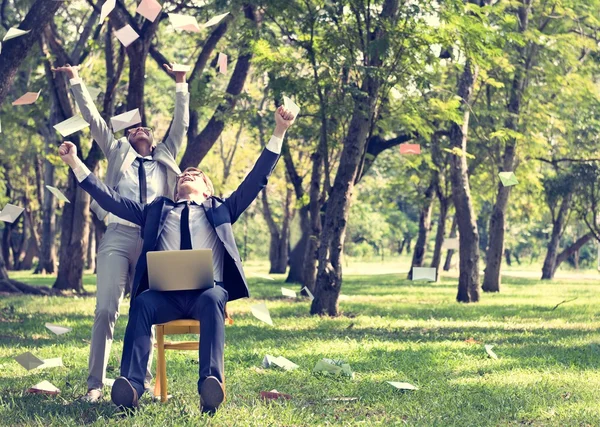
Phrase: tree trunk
[6,252]
[300,224]
[571,249]
[16,50]
[440,234]
[468,280]
[507,254]
[73,239]
[558,225]
[492,275]
[278,248]
[450,253]
[424,229]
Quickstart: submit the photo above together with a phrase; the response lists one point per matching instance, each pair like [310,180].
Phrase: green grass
[391,330]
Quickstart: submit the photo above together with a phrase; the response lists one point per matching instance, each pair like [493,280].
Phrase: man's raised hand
[283,120]
[72,71]
[68,153]
[179,75]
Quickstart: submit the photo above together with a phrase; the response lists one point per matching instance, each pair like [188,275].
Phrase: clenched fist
[68,153]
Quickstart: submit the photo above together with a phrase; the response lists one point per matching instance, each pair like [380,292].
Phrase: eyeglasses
[190,173]
[147,130]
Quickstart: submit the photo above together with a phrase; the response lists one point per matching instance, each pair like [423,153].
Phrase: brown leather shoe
[93,395]
[212,395]
[123,394]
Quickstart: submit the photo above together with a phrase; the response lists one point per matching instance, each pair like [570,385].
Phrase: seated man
[198,220]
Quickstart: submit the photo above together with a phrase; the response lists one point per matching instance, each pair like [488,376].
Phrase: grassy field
[391,330]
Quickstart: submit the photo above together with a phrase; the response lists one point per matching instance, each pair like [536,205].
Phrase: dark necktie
[184,227]
[143,184]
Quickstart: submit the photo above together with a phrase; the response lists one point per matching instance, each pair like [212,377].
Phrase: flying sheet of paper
[72,125]
[284,363]
[291,106]
[310,295]
[57,329]
[488,350]
[327,368]
[13,33]
[149,9]
[28,98]
[215,20]
[29,361]
[508,178]
[127,35]
[125,120]
[51,363]
[58,194]
[45,387]
[402,386]
[261,312]
[184,22]
[107,7]
[288,292]
[10,213]
[424,273]
[451,243]
[410,149]
[222,62]
[94,92]
[181,68]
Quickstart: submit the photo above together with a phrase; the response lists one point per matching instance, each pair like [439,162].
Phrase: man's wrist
[180,78]
[279,131]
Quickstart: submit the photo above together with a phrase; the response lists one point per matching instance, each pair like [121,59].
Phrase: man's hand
[72,72]
[68,153]
[283,120]
[179,75]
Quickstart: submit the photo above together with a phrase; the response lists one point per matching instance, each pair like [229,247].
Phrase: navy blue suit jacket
[221,213]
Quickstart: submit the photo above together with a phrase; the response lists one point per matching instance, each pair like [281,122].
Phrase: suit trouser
[154,307]
[117,256]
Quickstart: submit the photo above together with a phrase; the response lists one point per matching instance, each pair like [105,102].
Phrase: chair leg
[161,363]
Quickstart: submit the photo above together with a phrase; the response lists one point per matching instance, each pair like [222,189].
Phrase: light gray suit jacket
[121,154]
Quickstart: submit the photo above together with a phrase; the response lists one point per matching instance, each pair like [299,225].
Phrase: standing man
[139,169]
[198,220]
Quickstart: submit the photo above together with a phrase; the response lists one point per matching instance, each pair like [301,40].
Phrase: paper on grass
[45,387]
[13,33]
[424,273]
[222,63]
[57,329]
[10,213]
[184,22]
[127,35]
[284,363]
[261,312]
[310,295]
[107,7]
[125,120]
[325,366]
[72,125]
[402,386]
[267,361]
[29,361]
[410,149]
[149,9]
[215,20]
[291,106]
[508,178]
[51,363]
[488,350]
[288,292]
[27,99]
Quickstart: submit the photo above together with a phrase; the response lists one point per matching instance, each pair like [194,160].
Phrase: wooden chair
[175,327]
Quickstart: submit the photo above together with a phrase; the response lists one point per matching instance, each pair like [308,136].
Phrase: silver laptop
[180,270]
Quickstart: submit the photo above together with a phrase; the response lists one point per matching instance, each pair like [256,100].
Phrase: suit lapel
[127,162]
[166,208]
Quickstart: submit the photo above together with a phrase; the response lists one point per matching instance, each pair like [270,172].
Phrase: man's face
[192,182]
[140,135]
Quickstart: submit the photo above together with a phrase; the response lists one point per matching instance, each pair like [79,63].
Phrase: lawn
[391,330]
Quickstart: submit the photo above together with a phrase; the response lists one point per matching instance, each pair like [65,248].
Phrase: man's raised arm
[258,177]
[107,198]
[181,118]
[100,130]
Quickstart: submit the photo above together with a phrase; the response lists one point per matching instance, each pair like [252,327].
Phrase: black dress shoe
[212,395]
[123,394]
